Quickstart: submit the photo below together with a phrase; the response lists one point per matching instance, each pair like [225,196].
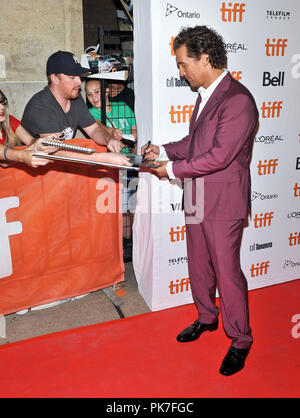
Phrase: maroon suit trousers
[213,249]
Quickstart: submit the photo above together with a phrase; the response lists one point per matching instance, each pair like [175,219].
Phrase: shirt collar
[205,93]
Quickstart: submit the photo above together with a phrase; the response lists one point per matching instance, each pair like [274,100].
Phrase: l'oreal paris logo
[235,47]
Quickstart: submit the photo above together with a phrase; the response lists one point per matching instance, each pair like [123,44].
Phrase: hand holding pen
[150,151]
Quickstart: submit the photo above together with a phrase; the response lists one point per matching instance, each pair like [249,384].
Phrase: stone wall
[31,30]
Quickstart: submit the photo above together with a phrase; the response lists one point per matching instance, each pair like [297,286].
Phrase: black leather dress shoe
[194,331]
[234,361]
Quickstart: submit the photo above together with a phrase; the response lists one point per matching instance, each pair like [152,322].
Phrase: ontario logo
[171,10]
[261,196]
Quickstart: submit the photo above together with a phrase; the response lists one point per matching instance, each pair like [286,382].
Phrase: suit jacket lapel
[195,112]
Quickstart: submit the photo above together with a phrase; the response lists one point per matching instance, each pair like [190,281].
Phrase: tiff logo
[267,167]
[271,110]
[233,12]
[7,229]
[181,115]
[294,239]
[171,45]
[237,75]
[296,189]
[275,47]
[263,220]
[179,286]
[259,269]
[178,234]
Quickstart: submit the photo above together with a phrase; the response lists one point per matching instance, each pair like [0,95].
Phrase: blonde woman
[13,134]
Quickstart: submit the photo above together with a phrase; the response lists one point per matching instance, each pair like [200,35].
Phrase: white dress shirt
[205,95]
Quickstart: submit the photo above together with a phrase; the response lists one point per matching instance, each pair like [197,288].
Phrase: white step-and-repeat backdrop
[262,41]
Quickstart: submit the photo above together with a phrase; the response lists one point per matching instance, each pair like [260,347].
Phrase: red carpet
[140,357]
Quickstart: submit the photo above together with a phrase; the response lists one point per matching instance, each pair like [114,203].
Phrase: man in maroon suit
[213,162]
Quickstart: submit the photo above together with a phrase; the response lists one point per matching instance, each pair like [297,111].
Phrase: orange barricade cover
[55,239]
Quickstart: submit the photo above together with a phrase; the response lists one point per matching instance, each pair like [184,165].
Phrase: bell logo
[296,189]
[271,110]
[263,220]
[294,239]
[259,269]
[7,229]
[273,81]
[178,234]
[179,286]
[267,167]
[233,12]
[275,47]
[237,75]
[182,114]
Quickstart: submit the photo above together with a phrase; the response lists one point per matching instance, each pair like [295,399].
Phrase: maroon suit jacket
[218,149]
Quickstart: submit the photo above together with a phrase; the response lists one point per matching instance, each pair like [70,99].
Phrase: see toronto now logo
[259,246]
[179,285]
[232,12]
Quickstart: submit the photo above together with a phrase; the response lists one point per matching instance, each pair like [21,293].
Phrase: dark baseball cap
[66,63]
